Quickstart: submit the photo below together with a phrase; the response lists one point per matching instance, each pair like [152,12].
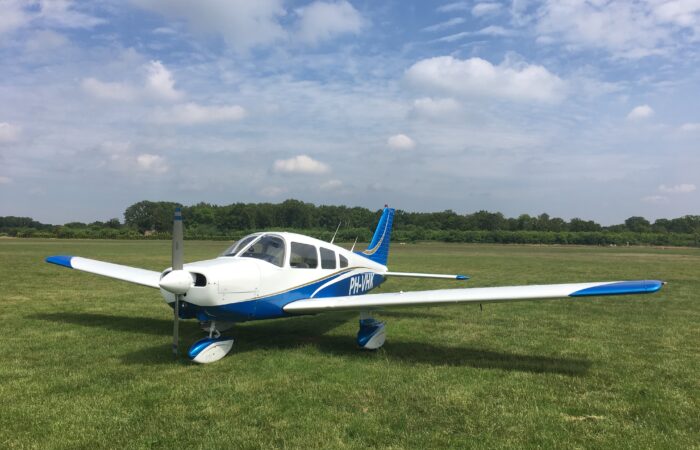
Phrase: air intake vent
[199,280]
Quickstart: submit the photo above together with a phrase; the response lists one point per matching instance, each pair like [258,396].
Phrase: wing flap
[143,277]
[472,295]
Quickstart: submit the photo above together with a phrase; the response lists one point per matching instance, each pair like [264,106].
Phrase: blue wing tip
[622,288]
[462,277]
[60,260]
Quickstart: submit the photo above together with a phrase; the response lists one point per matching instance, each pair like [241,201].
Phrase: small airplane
[270,275]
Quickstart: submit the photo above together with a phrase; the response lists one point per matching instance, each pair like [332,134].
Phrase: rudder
[378,250]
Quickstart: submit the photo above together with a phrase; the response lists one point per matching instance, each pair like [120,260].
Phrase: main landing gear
[214,347]
[371,334]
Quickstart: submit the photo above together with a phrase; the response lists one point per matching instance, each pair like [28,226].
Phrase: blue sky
[575,108]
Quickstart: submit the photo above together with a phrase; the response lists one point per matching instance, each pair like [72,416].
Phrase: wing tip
[622,288]
[462,277]
[60,260]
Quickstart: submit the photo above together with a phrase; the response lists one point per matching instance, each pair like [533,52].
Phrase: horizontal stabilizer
[471,295]
[143,277]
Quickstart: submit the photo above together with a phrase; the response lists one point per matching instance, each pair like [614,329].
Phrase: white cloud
[5,180]
[113,148]
[495,30]
[272,191]
[482,9]
[322,21]
[243,24]
[655,199]
[151,163]
[331,185]
[17,14]
[120,156]
[640,112]
[164,31]
[45,40]
[62,14]
[444,25]
[434,108]
[625,29]
[678,188]
[400,142]
[491,30]
[160,82]
[683,13]
[192,114]
[108,90]
[454,6]
[9,132]
[300,164]
[476,77]
[690,127]
[13,16]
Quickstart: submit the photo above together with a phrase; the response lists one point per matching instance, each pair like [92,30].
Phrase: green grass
[85,361]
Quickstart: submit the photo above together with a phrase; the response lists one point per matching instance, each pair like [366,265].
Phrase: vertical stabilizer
[378,250]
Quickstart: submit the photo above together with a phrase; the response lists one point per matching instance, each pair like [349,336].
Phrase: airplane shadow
[301,331]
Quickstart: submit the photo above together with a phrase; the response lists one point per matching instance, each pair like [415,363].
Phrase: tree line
[153,220]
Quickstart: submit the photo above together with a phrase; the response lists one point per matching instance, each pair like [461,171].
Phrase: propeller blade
[176,326]
[177,240]
[177,265]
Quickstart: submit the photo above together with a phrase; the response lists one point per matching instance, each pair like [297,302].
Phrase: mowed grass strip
[85,361]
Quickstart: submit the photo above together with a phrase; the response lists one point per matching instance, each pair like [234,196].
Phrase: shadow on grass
[301,331]
[143,325]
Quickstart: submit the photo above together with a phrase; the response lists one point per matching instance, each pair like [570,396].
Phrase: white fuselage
[262,287]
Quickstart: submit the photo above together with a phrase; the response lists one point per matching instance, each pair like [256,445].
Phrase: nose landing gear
[212,348]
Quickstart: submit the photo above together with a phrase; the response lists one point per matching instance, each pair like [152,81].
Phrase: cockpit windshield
[267,247]
[239,245]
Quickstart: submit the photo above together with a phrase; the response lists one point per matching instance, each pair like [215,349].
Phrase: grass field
[85,361]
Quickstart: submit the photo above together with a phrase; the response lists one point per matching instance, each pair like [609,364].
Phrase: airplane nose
[177,282]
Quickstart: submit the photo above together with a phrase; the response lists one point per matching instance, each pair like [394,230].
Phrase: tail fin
[378,250]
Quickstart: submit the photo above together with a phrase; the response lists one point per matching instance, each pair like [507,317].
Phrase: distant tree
[147,215]
[638,224]
[661,226]
[577,224]
[484,220]
[525,222]
[75,225]
[113,223]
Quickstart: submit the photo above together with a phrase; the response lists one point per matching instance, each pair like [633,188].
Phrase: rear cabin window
[343,261]
[327,258]
[303,256]
[267,248]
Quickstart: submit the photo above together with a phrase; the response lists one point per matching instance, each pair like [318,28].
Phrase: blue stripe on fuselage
[272,306]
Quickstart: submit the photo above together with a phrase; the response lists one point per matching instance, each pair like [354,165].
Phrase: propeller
[178,281]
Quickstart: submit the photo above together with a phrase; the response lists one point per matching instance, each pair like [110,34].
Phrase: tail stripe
[378,250]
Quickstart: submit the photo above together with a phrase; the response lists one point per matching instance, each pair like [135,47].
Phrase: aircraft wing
[472,295]
[143,277]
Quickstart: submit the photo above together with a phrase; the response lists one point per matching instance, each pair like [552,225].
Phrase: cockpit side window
[239,245]
[327,258]
[303,256]
[268,248]
[343,261]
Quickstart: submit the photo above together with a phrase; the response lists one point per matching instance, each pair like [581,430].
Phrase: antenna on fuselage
[336,231]
[353,245]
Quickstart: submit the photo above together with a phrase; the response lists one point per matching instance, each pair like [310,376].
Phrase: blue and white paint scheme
[271,275]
